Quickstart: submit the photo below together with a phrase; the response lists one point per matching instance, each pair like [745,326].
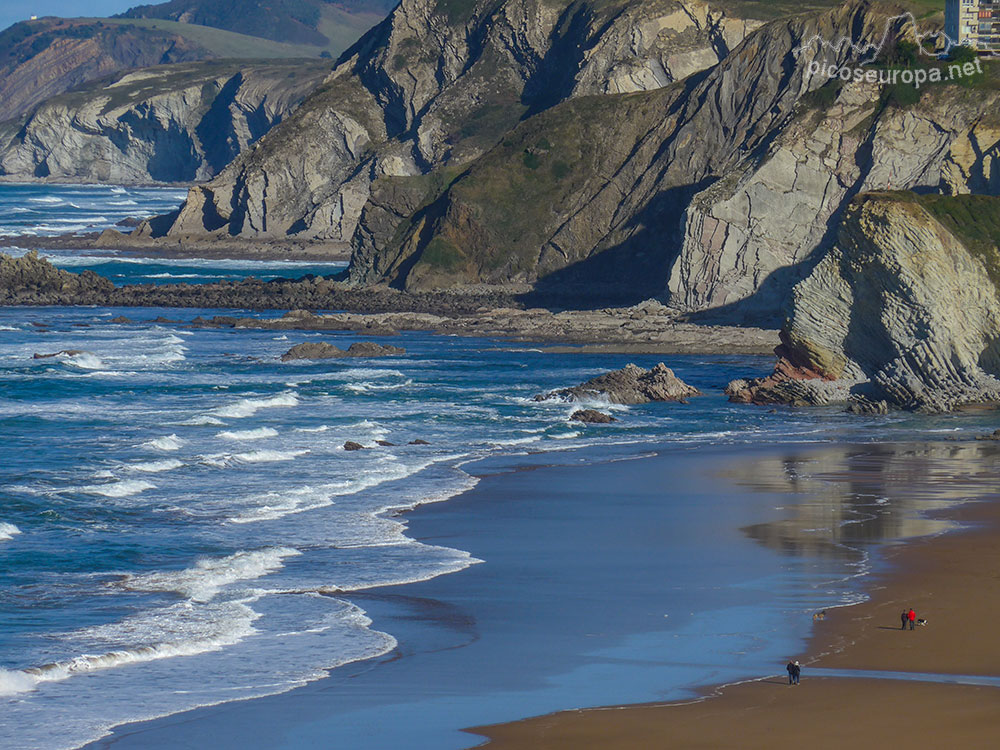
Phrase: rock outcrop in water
[903,310]
[630,385]
[591,416]
[30,280]
[323,350]
[175,123]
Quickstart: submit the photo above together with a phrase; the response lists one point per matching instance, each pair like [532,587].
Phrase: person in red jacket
[911,616]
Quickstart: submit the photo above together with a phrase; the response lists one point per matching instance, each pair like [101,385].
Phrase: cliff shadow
[634,270]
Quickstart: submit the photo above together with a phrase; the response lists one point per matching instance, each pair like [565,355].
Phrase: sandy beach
[949,580]
[483,643]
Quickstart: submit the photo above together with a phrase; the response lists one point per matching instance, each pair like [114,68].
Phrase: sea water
[180,525]
[50,210]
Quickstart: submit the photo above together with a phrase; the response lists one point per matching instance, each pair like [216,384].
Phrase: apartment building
[974,22]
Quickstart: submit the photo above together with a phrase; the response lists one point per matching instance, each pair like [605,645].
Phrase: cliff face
[165,124]
[435,86]
[592,194]
[749,237]
[903,309]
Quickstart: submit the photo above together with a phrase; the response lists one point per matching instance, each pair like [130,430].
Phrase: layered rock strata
[902,310]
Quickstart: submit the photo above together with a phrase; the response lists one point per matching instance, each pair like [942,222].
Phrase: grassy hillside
[975,221]
[338,29]
[218,42]
[311,23]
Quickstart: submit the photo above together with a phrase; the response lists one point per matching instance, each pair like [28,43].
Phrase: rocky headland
[172,123]
[902,312]
[622,149]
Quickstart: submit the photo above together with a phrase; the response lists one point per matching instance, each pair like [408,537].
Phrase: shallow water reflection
[839,497]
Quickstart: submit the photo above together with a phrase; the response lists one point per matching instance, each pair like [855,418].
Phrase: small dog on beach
[921,621]
[819,616]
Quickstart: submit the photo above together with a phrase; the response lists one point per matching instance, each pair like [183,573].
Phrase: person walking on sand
[903,619]
[794,670]
[911,617]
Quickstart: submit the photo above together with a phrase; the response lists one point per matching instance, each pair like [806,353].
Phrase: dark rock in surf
[630,385]
[323,350]
[63,353]
[350,445]
[592,416]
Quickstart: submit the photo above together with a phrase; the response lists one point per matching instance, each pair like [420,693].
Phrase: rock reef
[323,350]
[630,385]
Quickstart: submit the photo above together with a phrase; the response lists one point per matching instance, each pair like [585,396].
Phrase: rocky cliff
[903,311]
[593,193]
[627,150]
[170,123]
[434,87]
[44,58]
[753,234]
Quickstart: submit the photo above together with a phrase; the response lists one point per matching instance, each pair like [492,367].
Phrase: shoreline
[312,711]
[948,579]
[220,249]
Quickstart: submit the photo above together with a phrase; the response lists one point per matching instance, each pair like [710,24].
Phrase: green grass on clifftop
[975,221]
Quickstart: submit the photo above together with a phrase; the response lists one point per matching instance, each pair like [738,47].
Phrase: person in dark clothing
[911,617]
[794,670]
[903,619]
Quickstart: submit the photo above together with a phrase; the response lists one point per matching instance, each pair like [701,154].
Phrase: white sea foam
[227,460]
[368,387]
[518,441]
[83,360]
[123,488]
[280,503]
[201,421]
[67,229]
[165,443]
[182,629]
[154,467]
[8,531]
[258,434]
[45,199]
[566,435]
[247,407]
[321,428]
[207,577]
[13,682]
[263,456]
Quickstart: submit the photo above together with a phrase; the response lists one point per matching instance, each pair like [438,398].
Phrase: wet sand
[951,580]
